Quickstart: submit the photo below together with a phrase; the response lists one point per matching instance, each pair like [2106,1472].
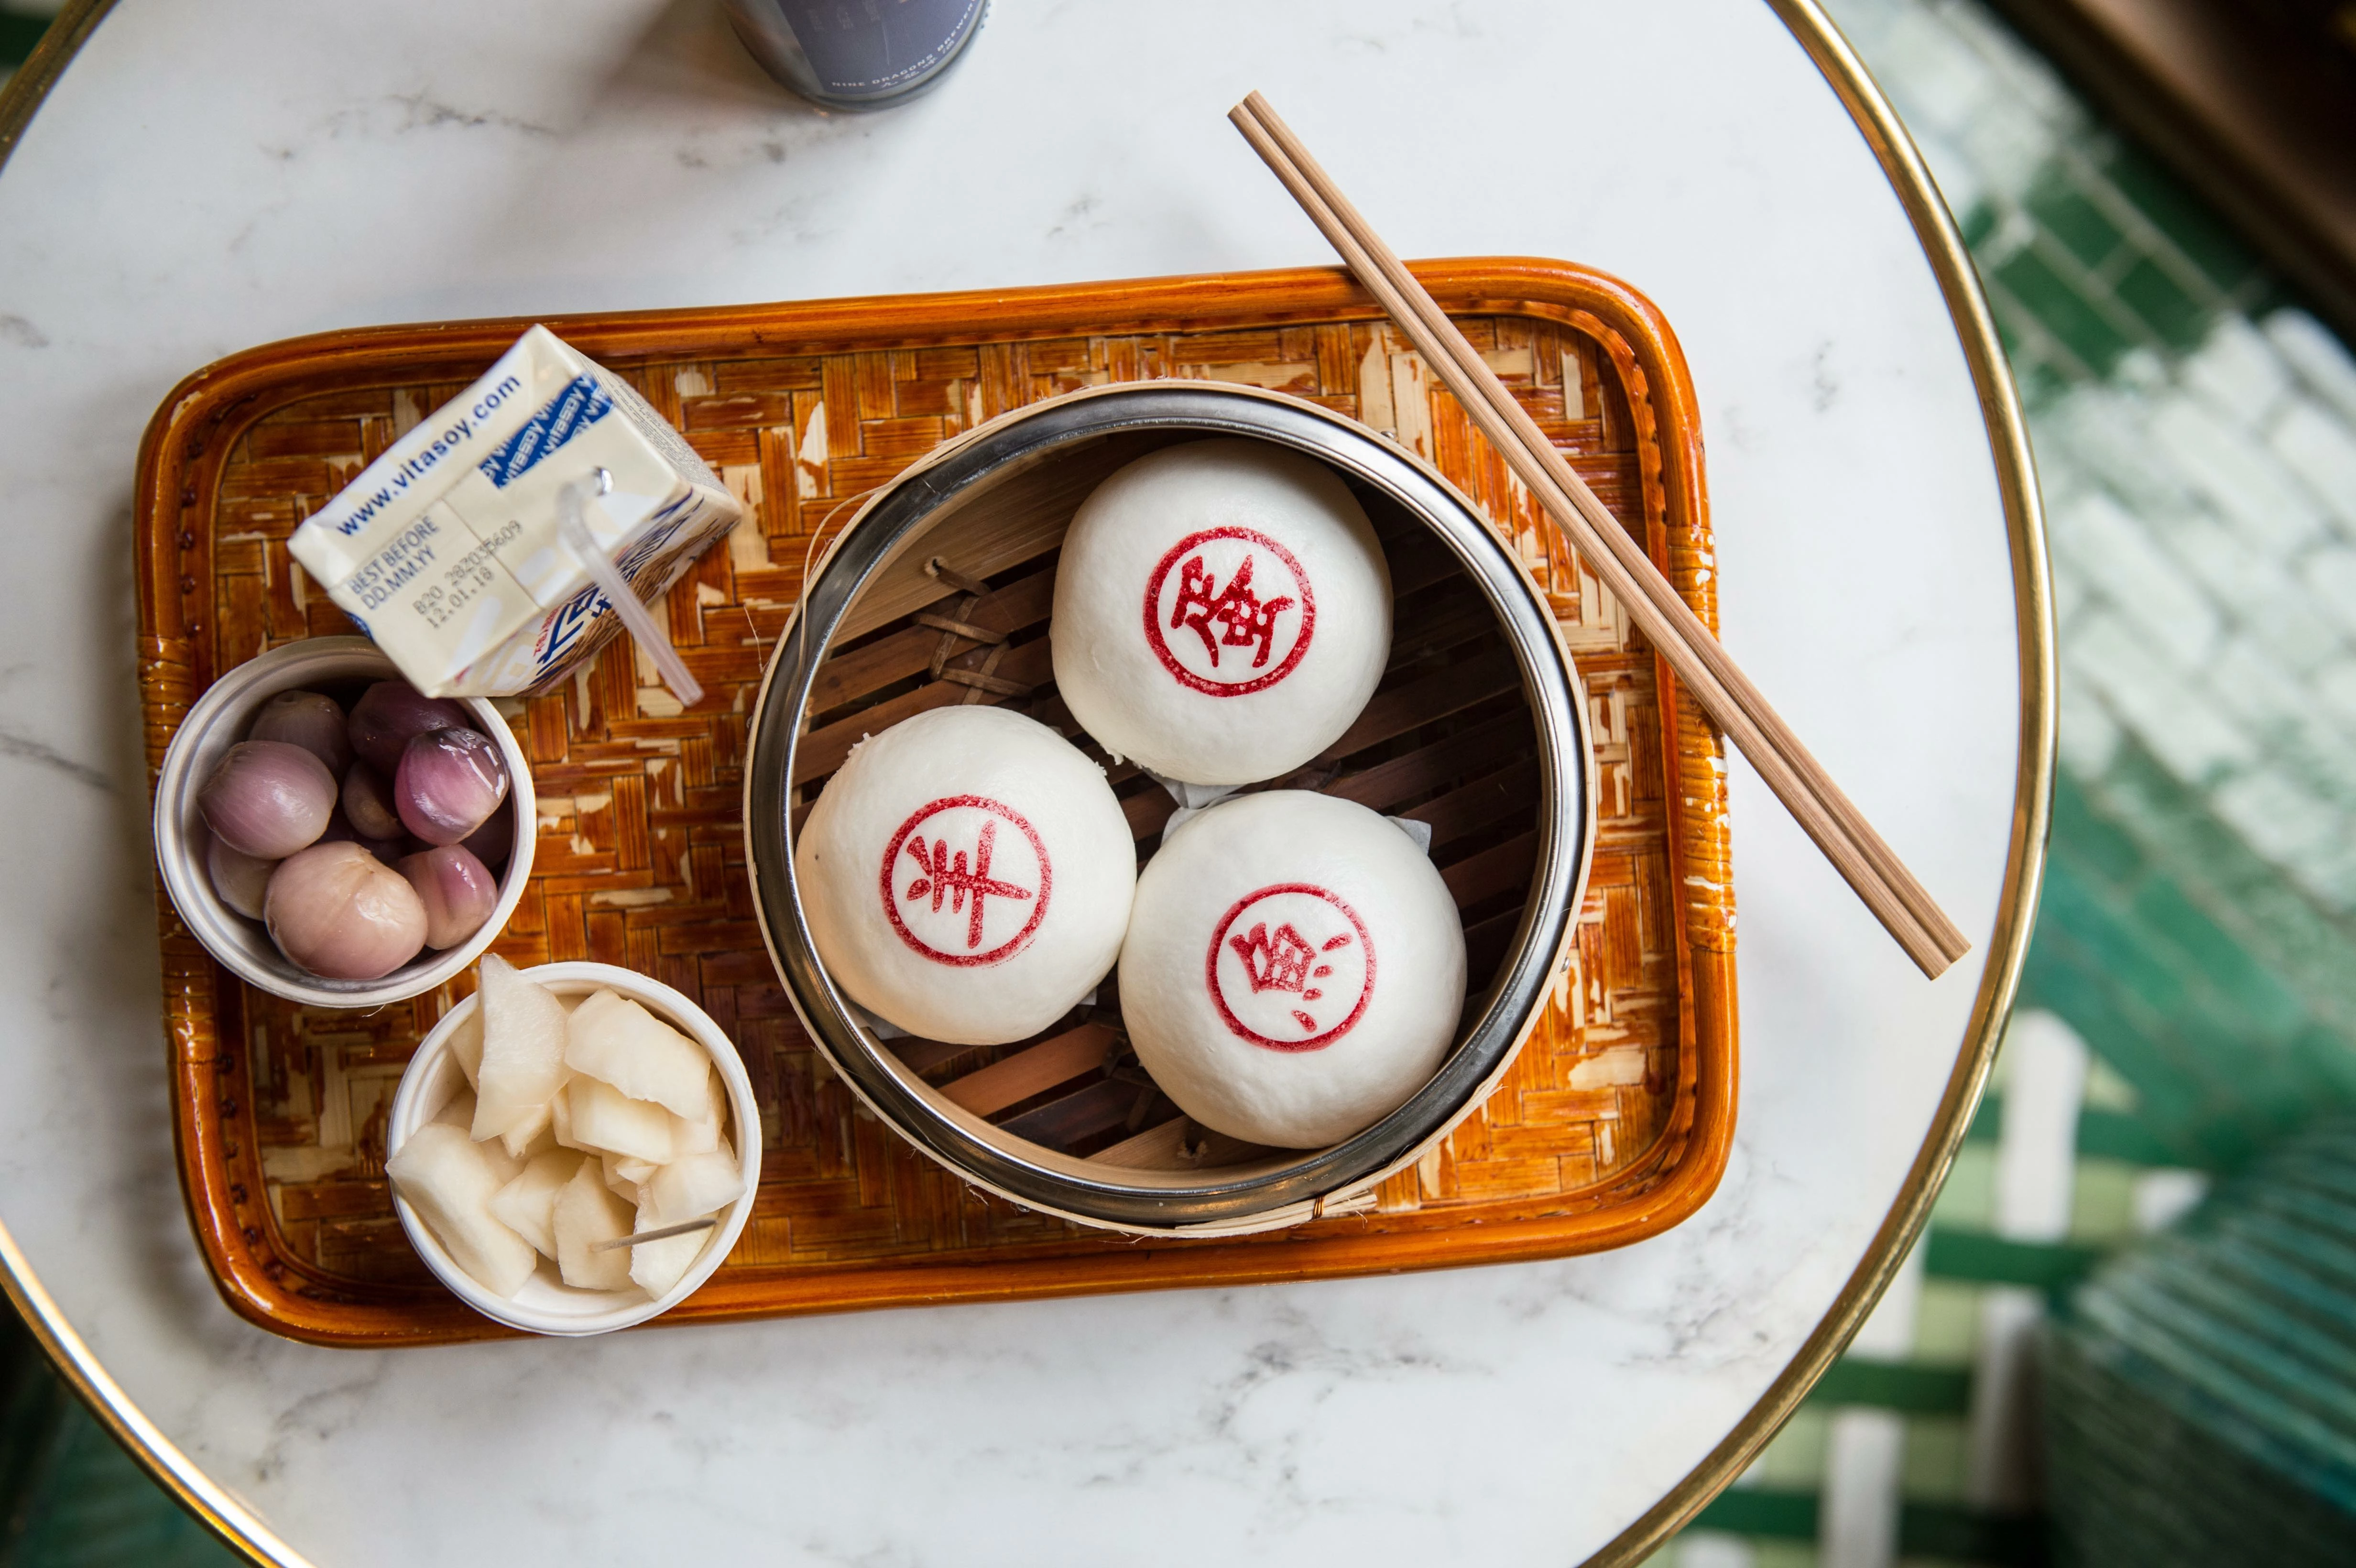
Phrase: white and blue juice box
[446,550]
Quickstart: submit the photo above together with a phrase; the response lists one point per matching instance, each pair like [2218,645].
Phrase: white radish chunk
[588,1213]
[459,1112]
[505,1167]
[604,1118]
[523,1053]
[701,1135]
[466,1045]
[535,1127]
[446,1176]
[659,1265]
[692,1137]
[612,1039]
[697,1185]
[528,1204]
[541,1141]
[560,1122]
[625,1188]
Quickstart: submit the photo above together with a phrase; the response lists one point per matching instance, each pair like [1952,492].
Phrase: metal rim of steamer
[1549,684]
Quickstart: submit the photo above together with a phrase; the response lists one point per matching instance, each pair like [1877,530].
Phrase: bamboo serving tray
[1613,1125]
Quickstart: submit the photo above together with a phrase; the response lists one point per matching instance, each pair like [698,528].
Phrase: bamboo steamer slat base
[1613,1125]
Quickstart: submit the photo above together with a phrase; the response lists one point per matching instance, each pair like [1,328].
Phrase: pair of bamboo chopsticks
[1902,904]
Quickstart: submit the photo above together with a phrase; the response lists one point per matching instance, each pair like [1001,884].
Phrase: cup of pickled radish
[333,837]
[574,1147]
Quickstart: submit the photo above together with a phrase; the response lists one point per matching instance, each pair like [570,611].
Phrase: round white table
[204,178]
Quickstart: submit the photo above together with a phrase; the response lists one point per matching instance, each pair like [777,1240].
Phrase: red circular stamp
[1291,967]
[966,881]
[1229,612]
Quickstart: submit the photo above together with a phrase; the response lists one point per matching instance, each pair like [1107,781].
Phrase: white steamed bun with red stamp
[966,875]
[1294,969]
[1222,610]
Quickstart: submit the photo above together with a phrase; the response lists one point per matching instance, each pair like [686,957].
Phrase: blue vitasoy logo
[581,404]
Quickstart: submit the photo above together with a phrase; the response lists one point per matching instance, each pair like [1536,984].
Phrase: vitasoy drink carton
[446,549]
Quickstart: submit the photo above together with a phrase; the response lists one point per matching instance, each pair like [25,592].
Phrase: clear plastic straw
[572,527]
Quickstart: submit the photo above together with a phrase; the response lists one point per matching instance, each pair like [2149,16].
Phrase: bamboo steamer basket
[941,583]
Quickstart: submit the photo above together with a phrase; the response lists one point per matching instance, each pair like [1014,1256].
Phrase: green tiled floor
[2202,1388]
[2196,441]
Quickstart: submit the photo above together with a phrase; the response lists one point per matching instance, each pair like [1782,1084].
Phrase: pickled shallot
[239,879]
[306,719]
[341,912]
[491,841]
[341,831]
[457,890]
[389,714]
[449,784]
[323,849]
[268,799]
[367,803]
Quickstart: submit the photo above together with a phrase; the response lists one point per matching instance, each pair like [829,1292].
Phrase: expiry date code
[442,602]
[464,582]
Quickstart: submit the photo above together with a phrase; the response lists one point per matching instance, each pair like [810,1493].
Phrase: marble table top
[206,177]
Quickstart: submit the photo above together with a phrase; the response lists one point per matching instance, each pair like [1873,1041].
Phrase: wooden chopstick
[1900,902]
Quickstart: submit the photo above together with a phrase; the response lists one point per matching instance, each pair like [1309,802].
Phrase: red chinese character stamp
[1291,967]
[1229,612]
[966,881]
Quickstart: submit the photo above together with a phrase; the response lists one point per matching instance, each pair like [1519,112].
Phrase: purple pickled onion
[456,890]
[450,782]
[307,720]
[494,840]
[268,798]
[238,880]
[367,803]
[341,831]
[340,912]
[392,712]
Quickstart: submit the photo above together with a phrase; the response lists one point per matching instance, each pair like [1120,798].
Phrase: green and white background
[2191,990]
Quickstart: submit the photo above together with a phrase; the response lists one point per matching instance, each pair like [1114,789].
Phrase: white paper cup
[546,1304]
[218,721]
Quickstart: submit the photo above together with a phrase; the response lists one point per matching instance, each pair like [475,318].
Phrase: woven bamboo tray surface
[1612,1124]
